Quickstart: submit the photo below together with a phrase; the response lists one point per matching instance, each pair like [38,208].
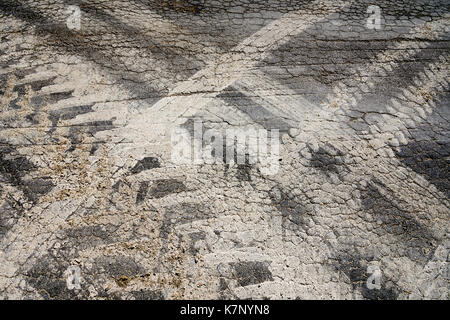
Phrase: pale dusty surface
[86,176]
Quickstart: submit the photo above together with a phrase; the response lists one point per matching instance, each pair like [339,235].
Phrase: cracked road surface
[88,180]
